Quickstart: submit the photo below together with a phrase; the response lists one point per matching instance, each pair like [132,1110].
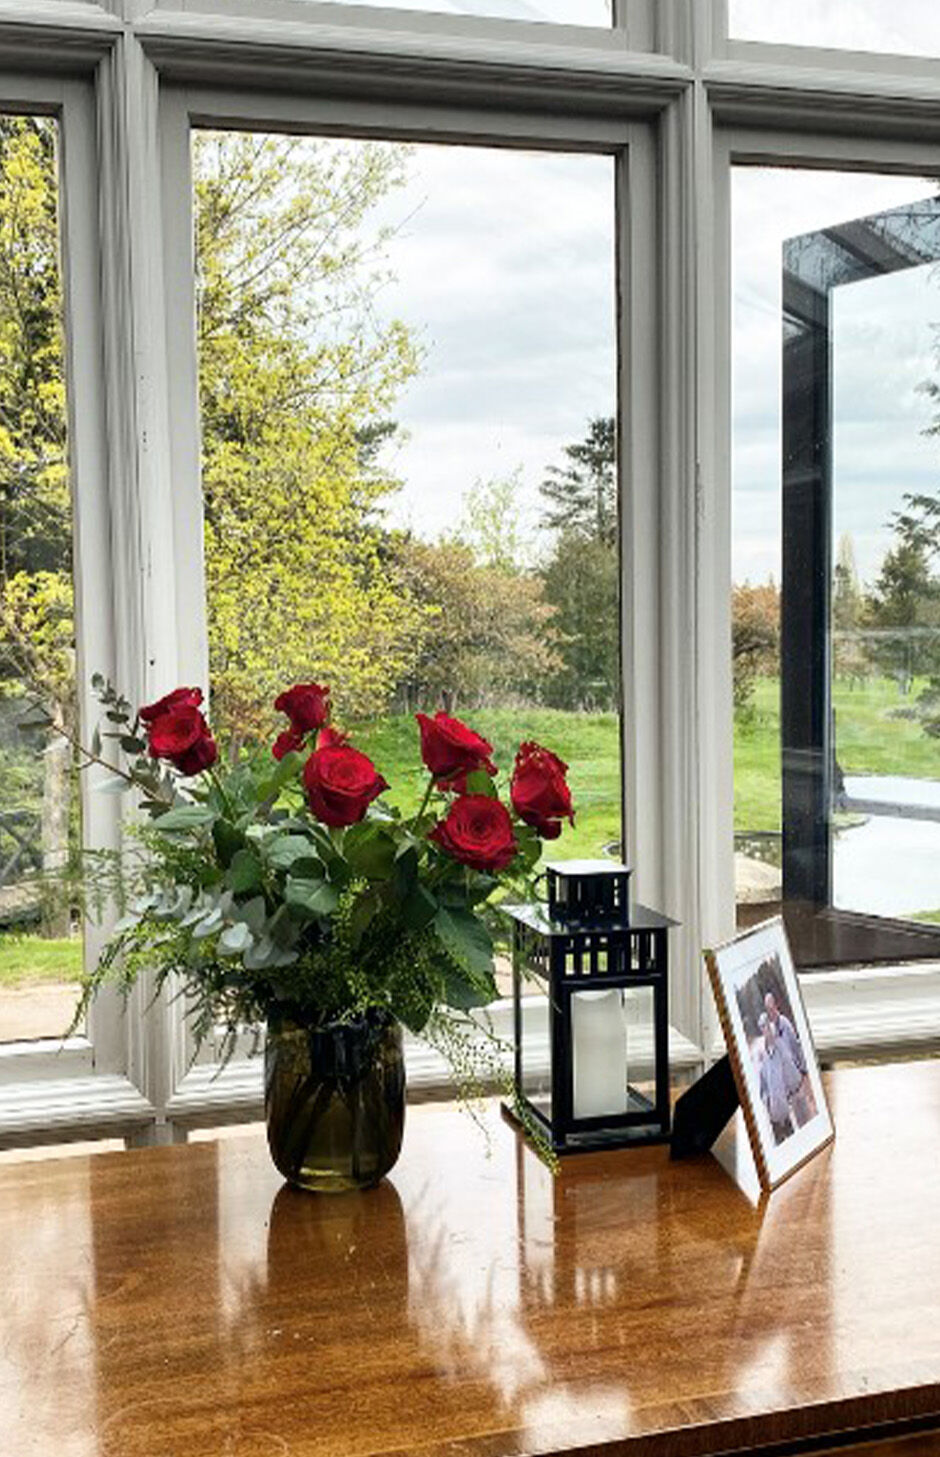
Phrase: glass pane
[844,262]
[40,827]
[564,12]
[911,27]
[407,370]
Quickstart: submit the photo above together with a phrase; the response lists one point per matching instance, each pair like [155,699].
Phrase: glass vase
[334,1099]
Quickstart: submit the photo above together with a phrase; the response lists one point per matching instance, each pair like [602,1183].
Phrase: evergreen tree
[581,496]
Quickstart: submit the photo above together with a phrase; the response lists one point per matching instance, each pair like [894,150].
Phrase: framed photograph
[771,1050]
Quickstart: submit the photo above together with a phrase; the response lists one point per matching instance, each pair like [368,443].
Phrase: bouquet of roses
[285,887]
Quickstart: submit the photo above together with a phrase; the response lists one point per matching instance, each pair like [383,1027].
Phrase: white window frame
[51,1088]
[685,95]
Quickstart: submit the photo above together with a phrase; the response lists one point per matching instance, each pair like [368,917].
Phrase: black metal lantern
[590,1010]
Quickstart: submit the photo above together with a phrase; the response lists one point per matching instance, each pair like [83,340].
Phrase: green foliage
[582,586]
[490,634]
[295,378]
[581,495]
[263,912]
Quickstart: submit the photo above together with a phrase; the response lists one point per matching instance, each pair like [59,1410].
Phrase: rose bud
[341,783]
[477,831]
[287,743]
[307,705]
[179,698]
[449,748]
[539,791]
[183,737]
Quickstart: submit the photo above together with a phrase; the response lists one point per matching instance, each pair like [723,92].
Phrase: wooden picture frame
[770,1047]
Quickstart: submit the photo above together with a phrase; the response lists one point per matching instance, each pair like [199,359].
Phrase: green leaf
[479,782]
[208,925]
[285,849]
[130,744]
[185,817]
[463,992]
[365,908]
[466,939]
[228,841]
[96,743]
[244,873]
[372,856]
[418,908]
[405,872]
[316,897]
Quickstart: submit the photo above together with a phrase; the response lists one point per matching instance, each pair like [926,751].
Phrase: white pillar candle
[599,1034]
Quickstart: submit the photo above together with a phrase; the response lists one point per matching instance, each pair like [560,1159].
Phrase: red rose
[184,738]
[449,748]
[539,791]
[179,698]
[341,783]
[286,743]
[307,705]
[331,738]
[477,832]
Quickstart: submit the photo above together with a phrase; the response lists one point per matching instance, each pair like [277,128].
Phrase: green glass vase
[334,1098]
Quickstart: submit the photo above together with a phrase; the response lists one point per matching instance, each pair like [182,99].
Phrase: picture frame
[771,1050]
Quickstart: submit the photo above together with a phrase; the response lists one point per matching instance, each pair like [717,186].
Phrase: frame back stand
[703,1110]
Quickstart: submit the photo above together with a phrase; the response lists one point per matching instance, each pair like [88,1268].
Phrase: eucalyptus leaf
[208,925]
[114,784]
[185,817]
[235,939]
[253,913]
[264,954]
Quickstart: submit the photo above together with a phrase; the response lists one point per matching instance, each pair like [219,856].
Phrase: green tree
[850,654]
[904,608]
[490,525]
[489,636]
[582,586]
[581,495]
[36,629]
[297,377]
[755,637]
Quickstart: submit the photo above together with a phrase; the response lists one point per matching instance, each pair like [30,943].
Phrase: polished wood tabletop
[182,1302]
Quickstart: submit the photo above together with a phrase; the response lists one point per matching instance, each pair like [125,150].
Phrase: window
[834,622]
[567,12]
[408,402]
[40,818]
[911,28]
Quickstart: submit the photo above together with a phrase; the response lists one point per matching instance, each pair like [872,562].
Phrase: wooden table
[179,1302]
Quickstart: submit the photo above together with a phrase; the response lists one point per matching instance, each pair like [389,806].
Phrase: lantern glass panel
[536,1053]
[641,1046]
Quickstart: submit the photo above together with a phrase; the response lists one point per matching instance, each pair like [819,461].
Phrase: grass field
[26,960]
[870,739]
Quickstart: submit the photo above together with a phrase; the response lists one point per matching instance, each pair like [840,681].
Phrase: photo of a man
[776,1050]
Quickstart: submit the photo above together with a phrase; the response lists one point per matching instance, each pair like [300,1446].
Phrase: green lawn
[589,744]
[26,960]
[870,739]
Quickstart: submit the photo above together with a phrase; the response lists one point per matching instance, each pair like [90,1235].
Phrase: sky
[907,27]
[565,12]
[884,348]
[503,265]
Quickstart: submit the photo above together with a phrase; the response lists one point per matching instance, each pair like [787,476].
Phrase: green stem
[424,803]
[226,802]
